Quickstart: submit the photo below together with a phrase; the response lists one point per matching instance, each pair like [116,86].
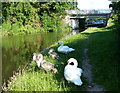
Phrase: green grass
[103,56]
[34,79]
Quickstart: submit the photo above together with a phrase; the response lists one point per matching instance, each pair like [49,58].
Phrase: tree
[32,15]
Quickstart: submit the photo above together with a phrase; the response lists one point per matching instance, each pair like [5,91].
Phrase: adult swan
[72,73]
[64,49]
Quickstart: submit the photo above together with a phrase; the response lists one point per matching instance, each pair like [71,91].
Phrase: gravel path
[87,73]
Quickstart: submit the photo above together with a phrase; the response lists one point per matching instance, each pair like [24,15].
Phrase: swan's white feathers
[36,58]
[72,73]
[64,49]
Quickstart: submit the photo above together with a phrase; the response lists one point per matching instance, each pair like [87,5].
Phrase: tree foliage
[32,15]
[116,15]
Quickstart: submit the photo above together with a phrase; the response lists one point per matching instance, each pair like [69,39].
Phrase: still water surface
[18,50]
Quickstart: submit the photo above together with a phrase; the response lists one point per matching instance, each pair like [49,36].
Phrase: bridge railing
[99,11]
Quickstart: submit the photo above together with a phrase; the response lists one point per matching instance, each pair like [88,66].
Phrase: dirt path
[87,73]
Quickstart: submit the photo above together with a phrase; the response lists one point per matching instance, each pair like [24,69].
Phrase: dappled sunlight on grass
[39,80]
[102,50]
[103,54]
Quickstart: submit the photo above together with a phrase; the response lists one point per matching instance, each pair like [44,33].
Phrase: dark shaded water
[18,50]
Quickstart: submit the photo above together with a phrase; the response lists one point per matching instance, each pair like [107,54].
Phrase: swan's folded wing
[47,64]
[67,73]
[77,81]
[73,74]
[79,71]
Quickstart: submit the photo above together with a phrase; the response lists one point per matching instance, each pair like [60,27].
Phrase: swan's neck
[62,43]
[75,63]
[41,58]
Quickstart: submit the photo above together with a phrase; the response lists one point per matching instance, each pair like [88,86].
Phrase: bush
[6,26]
[28,17]
[49,23]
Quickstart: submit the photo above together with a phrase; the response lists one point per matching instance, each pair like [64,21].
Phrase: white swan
[72,73]
[46,65]
[37,59]
[64,49]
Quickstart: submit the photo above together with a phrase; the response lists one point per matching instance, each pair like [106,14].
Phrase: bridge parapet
[99,11]
[78,12]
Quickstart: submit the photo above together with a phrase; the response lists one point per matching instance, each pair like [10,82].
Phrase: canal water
[18,50]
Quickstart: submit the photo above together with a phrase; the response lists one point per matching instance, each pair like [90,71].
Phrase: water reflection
[18,50]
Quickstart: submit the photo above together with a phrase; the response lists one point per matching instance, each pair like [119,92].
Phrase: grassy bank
[102,46]
[34,79]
